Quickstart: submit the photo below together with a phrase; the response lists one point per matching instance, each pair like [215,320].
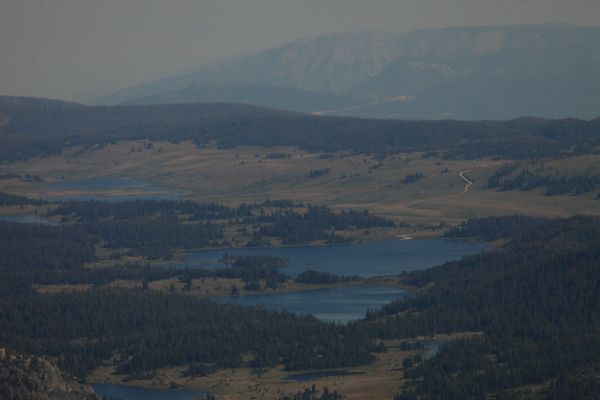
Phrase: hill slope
[34,131]
[249,93]
[536,301]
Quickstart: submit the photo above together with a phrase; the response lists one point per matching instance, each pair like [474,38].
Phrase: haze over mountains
[495,72]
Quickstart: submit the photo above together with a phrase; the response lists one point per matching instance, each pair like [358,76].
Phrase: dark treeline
[154,229]
[149,329]
[495,180]
[475,292]
[103,276]
[93,210]
[476,368]
[493,228]
[33,131]
[315,173]
[537,300]
[313,277]
[317,223]
[323,217]
[412,178]
[584,386]
[133,223]
[33,246]
[24,279]
[282,203]
[164,209]
[555,185]
[7,199]
[253,269]
[154,237]
[256,261]
[30,178]
[39,254]
[154,329]
[313,394]
[74,244]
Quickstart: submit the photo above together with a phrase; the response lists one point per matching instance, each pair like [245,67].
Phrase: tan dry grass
[379,380]
[62,288]
[234,176]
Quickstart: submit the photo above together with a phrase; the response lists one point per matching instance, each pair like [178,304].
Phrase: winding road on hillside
[468,183]
[359,106]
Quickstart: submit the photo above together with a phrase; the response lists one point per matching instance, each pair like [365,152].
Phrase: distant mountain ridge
[330,63]
[498,72]
[37,102]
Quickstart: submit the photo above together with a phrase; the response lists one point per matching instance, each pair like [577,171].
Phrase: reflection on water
[432,348]
[375,258]
[27,219]
[100,188]
[340,304]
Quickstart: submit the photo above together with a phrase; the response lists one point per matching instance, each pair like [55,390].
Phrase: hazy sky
[80,49]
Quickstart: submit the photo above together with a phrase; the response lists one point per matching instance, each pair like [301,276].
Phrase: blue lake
[99,188]
[126,392]
[339,304]
[376,258]
[342,304]
[27,219]
[432,348]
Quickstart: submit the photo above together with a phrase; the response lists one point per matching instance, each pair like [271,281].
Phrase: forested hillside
[506,179]
[35,131]
[84,329]
[535,300]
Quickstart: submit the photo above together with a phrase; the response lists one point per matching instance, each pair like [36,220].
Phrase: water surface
[375,258]
[100,188]
[27,219]
[432,348]
[339,304]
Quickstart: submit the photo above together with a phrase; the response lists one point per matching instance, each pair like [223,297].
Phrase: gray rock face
[470,72]
[29,377]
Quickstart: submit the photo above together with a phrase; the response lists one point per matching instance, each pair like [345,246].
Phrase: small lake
[375,258]
[432,348]
[339,304]
[101,188]
[126,392]
[27,219]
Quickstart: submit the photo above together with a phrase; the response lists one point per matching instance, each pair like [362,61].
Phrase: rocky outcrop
[24,377]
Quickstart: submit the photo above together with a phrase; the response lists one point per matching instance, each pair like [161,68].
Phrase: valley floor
[379,380]
[449,191]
